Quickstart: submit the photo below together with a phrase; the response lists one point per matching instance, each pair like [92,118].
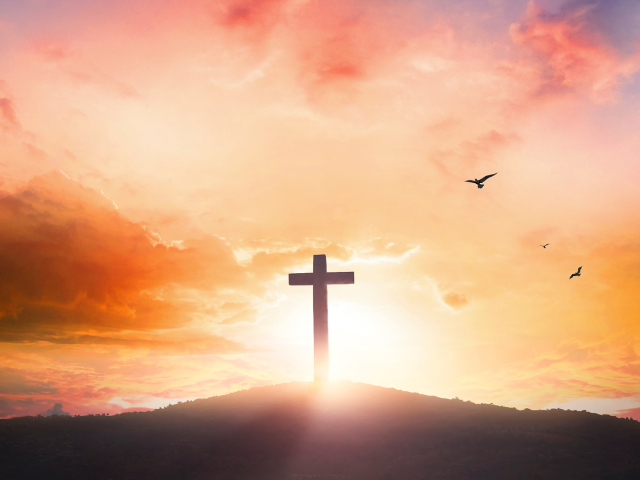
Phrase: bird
[480,182]
[545,245]
[577,274]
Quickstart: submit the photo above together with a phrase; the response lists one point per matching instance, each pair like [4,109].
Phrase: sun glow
[360,338]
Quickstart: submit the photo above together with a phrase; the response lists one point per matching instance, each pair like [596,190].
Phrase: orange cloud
[12,381]
[455,300]
[69,261]
[573,53]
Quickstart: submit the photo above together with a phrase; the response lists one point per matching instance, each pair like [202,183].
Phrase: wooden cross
[320,278]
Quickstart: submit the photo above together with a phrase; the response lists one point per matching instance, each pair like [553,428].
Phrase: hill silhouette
[345,431]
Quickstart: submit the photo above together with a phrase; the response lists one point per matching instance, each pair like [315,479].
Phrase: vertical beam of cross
[320,278]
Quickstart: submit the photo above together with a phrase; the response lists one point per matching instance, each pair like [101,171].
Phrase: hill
[346,431]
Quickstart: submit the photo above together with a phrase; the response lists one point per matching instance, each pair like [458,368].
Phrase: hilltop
[346,431]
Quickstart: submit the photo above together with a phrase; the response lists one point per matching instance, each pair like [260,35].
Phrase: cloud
[333,46]
[567,372]
[455,300]
[485,146]
[632,369]
[14,382]
[278,259]
[70,261]
[381,250]
[256,16]
[20,147]
[573,51]
[339,43]
[8,118]
[80,69]
[482,149]
[56,410]
[205,344]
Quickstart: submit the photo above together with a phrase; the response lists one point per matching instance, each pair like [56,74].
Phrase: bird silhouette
[480,182]
[545,245]
[577,274]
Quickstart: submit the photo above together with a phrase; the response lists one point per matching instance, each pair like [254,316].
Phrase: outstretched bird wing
[471,181]
[572,275]
[579,270]
[488,176]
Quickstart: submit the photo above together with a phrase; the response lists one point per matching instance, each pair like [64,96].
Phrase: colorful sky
[165,164]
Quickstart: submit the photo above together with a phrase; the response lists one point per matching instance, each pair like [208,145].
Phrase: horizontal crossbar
[339,278]
[330,278]
[301,279]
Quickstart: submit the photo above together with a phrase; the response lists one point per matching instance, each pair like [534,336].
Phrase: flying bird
[480,182]
[545,245]
[577,274]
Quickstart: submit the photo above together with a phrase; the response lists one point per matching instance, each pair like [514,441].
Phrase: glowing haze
[166,163]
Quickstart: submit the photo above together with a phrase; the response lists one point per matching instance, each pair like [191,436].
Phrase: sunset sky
[166,163]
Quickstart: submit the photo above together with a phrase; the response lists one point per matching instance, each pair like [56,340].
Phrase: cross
[320,278]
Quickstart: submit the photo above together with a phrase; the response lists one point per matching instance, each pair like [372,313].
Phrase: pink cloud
[81,69]
[8,118]
[258,16]
[333,44]
[572,53]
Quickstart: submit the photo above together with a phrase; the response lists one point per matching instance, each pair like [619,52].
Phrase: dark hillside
[344,432]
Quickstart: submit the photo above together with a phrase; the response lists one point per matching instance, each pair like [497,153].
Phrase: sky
[165,164]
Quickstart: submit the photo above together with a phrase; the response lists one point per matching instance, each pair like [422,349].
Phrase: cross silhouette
[320,278]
